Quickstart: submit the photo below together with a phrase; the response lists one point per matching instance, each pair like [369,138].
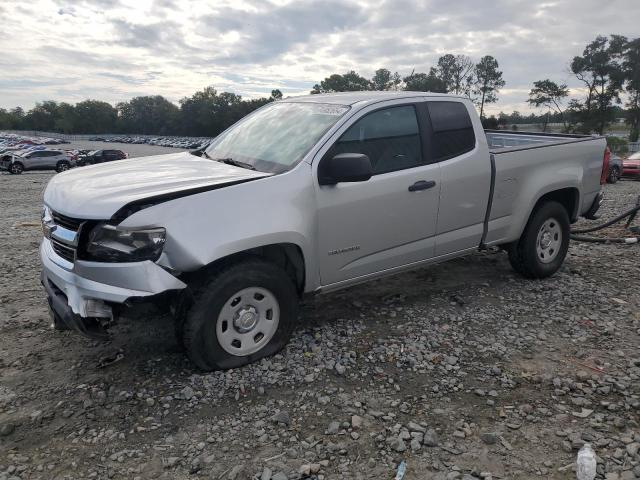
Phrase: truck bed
[523,170]
[501,141]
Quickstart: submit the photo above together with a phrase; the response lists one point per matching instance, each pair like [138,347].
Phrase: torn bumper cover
[80,294]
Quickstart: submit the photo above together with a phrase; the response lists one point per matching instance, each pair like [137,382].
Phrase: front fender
[209,226]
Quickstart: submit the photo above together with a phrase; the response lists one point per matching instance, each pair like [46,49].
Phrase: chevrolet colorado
[306,195]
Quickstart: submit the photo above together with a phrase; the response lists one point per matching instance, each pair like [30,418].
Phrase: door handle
[422,185]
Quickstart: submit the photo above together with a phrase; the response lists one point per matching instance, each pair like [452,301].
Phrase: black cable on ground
[631,213]
[620,217]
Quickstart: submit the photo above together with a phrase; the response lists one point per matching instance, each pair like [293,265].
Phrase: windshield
[276,137]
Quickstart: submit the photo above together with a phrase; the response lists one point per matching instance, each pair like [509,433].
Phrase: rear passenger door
[465,169]
[385,222]
[51,159]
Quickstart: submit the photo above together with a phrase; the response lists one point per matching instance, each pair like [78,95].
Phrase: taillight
[605,166]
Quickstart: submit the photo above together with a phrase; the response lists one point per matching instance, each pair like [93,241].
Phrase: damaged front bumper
[82,294]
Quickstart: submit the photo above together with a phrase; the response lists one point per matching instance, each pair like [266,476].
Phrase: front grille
[66,222]
[66,252]
[62,248]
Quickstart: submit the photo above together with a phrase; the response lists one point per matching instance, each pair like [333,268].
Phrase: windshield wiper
[235,163]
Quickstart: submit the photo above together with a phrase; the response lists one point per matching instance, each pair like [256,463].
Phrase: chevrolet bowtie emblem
[47,229]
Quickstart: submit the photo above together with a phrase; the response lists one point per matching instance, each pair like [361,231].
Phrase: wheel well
[287,256]
[567,197]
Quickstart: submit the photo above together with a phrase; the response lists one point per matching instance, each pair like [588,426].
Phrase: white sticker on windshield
[327,109]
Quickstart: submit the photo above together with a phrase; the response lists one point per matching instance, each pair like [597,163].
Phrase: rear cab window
[451,130]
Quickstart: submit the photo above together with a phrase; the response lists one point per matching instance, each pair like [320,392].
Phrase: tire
[62,166]
[542,248]
[614,175]
[16,168]
[213,322]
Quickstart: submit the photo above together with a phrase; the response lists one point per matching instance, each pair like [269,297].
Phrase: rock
[632,449]
[451,360]
[187,393]
[489,438]
[235,471]
[430,438]
[333,428]
[398,444]
[266,474]
[356,422]
[171,462]
[282,417]
[414,427]
[304,470]
[279,476]
[415,445]
[340,369]
[7,429]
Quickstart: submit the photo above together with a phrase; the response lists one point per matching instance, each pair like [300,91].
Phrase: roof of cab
[351,98]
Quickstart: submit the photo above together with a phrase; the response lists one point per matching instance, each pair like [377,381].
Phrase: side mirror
[344,167]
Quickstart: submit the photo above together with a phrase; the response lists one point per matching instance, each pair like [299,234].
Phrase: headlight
[108,243]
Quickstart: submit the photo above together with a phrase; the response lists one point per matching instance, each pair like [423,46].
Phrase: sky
[113,50]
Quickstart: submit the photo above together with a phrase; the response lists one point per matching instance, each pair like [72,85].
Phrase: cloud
[115,49]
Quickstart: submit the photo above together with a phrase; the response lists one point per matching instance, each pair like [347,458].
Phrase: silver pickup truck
[306,195]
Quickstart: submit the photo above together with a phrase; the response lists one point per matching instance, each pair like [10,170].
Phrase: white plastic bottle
[586,464]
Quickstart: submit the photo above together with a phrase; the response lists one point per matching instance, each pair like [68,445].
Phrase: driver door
[389,221]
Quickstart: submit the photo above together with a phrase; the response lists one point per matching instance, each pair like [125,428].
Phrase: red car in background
[631,166]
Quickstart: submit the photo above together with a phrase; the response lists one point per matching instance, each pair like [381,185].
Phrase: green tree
[487,82]
[547,93]
[95,116]
[423,82]
[276,94]
[383,79]
[456,71]
[348,82]
[600,70]
[148,115]
[42,117]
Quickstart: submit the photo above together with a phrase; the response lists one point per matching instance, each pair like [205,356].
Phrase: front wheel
[16,168]
[542,248]
[247,311]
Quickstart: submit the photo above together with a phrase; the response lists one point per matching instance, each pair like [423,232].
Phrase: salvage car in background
[615,168]
[631,166]
[304,196]
[57,160]
[100,156]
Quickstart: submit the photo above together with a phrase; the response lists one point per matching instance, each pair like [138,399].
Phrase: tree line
[206,113]
[457,74]
[608,69]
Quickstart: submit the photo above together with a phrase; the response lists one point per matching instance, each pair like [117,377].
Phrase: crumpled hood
[98,191]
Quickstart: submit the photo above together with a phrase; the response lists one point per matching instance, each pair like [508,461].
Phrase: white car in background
[57,160]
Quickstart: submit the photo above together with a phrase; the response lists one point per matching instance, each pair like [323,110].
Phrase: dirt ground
[463,370]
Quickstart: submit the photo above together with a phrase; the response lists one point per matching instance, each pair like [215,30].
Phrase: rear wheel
[247,311]
[614,175]
[63,166]
[16,168]
[543,246]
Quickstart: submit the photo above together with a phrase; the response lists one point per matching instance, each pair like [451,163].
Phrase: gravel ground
[464,370]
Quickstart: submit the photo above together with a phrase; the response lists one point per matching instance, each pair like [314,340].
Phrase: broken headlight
[110,243]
